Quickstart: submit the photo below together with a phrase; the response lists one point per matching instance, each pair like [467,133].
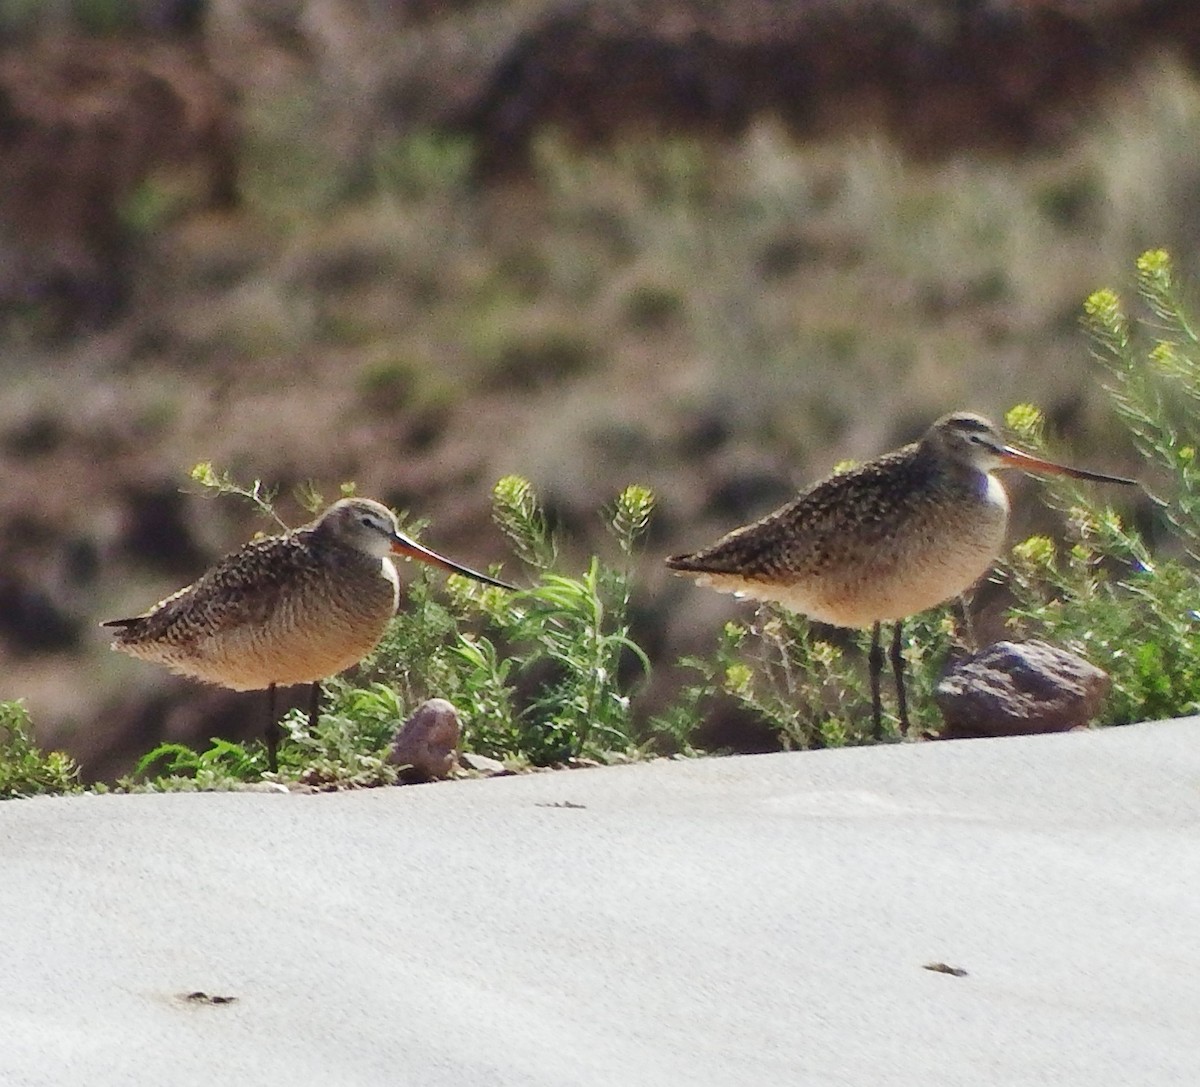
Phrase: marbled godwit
[294,608]
[897,535]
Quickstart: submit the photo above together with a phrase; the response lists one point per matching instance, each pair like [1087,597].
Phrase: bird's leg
[272,732]
[964,602]
[898,672]
[875,666]
[314,705]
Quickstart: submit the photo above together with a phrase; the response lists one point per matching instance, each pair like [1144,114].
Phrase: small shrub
[653,306]
[537,675]
[349,744]
[576,629]
[152,204]
[1102,594]
[423,164]
[809,684]
[26,770]
[260,496]
[539,357]
[178,768]
[389,384]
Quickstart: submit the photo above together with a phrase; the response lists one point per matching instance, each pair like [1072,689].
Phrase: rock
[1018,689]
[481,764]
[427,744]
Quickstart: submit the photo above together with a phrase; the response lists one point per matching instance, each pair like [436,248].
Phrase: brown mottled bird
[893,537]
[293,608]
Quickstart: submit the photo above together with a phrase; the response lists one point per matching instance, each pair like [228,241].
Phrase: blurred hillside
[711,247]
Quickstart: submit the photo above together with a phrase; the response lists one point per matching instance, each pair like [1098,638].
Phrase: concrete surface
[759,920]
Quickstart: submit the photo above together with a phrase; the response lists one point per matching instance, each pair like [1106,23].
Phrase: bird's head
[371,527]
[972,440]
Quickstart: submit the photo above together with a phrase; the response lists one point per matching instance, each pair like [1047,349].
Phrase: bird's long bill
[1015,458]
[402,545]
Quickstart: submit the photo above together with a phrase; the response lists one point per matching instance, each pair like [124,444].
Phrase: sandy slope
[757,920]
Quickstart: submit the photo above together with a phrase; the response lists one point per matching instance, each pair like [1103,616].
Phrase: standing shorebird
[294,608]
[897,535]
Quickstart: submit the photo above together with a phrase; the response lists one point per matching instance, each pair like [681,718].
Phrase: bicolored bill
[409,548]
[1027,462]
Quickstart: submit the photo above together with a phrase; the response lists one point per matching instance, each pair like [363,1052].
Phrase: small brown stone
[427,744]
[1018,689]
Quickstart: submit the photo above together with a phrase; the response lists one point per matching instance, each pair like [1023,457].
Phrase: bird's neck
[971,479]
[388,569]
[992,491]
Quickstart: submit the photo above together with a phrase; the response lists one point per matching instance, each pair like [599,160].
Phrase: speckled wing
[882,542]
[843,520]
[243,589]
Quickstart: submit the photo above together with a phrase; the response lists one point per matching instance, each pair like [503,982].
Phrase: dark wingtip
[121,624]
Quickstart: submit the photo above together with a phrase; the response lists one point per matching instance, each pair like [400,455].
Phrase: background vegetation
[541,676]
[717,320]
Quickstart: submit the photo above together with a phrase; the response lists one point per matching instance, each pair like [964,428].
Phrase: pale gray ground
[755,920]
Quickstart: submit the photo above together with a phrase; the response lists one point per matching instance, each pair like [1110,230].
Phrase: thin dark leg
[314,705]
[964,602]
[898,672]
[272,732]
[875,663]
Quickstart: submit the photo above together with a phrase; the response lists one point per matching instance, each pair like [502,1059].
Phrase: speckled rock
[1015,689]
[427,744]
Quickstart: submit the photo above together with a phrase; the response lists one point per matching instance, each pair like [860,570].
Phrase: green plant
[808,684]
[652,306]
[1140,625]
[347,748]
[26,770]
[261,497]
[576,630]
[539,675]
[349,744]
[153,203]
[104,16]
[1103,594]
[179,768]
[1155,388]
[388,384]
[527,358]
[422,164]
